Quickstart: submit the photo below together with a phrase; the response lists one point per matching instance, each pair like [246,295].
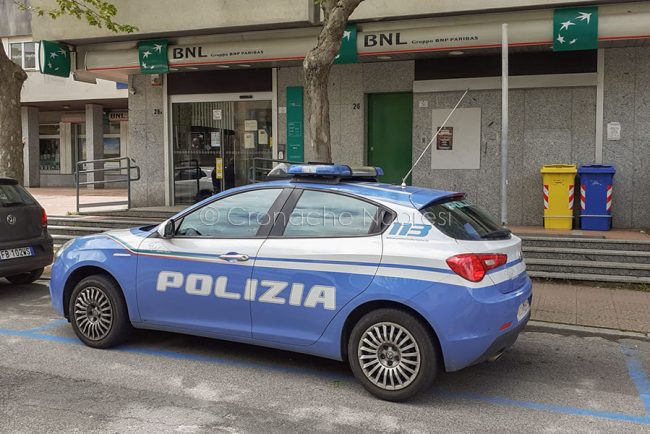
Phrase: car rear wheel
[392,354]
[98,313]
[25,278]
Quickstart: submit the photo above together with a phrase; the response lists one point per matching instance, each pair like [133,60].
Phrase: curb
[569,329]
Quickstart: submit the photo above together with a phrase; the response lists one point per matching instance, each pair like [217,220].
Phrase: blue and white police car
[398,281]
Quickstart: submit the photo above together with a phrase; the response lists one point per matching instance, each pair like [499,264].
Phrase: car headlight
[61,249]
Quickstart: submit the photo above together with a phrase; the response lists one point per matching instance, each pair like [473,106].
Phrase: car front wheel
[98,313]
[392,354]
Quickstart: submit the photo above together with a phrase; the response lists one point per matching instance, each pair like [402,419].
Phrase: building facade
[56,110]
[233,95]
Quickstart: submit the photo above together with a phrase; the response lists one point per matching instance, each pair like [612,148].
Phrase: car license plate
[523,310]
[21,252]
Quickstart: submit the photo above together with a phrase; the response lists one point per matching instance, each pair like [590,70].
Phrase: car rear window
[462,220]
[14,195]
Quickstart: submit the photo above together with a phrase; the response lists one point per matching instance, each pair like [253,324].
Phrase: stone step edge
[575,251]
[587,264]
[589,277]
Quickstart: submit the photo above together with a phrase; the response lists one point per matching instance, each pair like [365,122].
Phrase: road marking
[637,374]
[635,369]
[574,411]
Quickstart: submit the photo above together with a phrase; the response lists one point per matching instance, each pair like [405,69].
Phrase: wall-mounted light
[456,53]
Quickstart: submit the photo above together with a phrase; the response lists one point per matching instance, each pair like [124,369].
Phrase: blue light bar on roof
[319,170]
[368,171]
[334,170]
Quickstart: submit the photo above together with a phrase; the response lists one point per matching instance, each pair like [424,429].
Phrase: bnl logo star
[583,17]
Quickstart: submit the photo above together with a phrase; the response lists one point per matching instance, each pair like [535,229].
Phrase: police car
[399,281]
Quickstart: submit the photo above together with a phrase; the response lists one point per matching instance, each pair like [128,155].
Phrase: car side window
[238,216]
[322,214]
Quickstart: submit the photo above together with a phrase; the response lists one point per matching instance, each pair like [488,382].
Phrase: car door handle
[234,257]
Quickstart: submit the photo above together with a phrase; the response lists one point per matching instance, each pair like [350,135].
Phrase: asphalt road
[163,382]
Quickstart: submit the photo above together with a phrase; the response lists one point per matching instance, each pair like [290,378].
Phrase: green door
[390,123]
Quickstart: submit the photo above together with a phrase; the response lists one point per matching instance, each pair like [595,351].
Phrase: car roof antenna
[433,138]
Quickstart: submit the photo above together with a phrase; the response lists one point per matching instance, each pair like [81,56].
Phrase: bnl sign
[388,39]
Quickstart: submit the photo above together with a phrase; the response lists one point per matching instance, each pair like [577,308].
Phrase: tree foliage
[98,13]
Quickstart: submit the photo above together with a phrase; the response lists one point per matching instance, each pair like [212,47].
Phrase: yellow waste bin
[559,193]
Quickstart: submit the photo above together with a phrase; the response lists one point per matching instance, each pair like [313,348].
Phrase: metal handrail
[255,169]
[122,177]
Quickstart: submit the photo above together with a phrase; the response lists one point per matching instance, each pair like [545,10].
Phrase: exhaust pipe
[496,357]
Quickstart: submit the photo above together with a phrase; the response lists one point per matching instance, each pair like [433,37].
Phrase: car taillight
[474,266]
[43,218]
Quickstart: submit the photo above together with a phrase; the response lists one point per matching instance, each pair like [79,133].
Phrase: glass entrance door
[214,144]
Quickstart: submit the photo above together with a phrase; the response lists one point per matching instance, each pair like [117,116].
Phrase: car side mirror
[166,229]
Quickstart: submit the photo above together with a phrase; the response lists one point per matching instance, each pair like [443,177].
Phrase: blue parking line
[637,374]
[574,411]
[635,369]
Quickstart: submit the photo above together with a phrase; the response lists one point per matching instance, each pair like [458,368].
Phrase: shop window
[23,54]
[112,140]
[222,139]
[50,147]
[112,143]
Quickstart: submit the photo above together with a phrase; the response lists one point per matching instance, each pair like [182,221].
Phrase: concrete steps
[588,267]
[590,277]
[64,228]
[104,222]
[585,243]
[588,259]
[136,213]
[595,255]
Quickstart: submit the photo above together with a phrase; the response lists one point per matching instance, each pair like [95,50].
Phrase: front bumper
[44,254]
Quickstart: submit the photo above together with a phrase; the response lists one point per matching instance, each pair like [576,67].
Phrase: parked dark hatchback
[25,246]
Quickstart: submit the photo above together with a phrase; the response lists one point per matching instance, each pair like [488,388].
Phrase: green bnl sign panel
[575,29]
[295,124]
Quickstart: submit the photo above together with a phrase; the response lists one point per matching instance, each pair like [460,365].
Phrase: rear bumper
[502,342]
[474,324]
[44,252]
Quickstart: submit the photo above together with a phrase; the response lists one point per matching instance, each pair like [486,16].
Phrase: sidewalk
[582,305]
[61,201]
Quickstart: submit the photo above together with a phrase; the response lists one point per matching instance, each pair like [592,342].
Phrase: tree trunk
[12,78]
[317,66]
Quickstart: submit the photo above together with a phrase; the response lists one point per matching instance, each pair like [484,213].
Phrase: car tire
[98,312]
[26,278]
[392,354]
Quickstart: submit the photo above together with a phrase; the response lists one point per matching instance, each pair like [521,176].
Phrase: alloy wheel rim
[389,356]
[93,313]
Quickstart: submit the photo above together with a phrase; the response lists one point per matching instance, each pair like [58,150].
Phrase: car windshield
[14,195]
[461,220]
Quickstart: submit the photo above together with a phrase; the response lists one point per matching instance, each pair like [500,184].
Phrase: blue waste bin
[596,182]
